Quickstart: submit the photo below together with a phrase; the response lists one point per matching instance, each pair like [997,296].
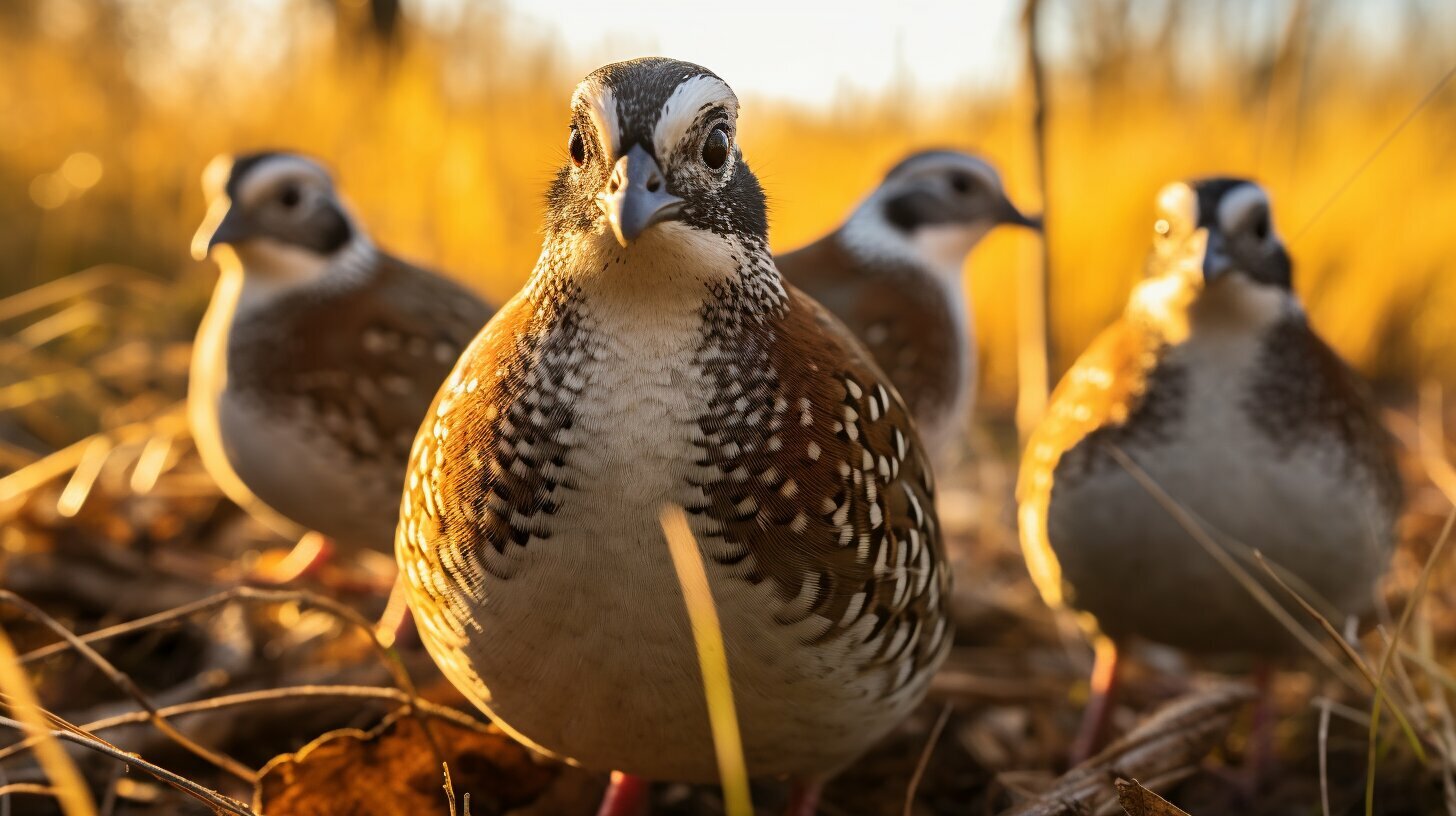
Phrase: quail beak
[636,196]
[1216,260]
[1011,215]
[223,224]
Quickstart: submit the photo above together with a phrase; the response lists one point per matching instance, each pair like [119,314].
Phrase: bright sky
[808,52]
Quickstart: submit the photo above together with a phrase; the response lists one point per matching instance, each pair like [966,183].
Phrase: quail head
[893,273]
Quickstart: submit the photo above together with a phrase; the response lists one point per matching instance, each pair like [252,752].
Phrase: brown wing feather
[825,482]
[499,477]
[902,318]
[366,359]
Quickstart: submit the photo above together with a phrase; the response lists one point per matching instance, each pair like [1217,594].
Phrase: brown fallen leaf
[1139,801]
[391,769]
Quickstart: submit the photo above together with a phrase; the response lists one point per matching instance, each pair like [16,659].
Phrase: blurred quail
[656,357]
[893,273]
[319,354]
[1214,384]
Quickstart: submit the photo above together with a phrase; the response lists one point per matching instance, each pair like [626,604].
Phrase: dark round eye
[1261,226]
[960,182]
[290,197]
[577,147]
[715,148]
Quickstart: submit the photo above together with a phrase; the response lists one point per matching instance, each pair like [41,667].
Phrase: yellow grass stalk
[712,657]
[68,786]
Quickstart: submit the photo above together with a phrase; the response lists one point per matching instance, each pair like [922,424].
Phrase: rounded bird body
[893,272]
[659,359]
[319,354]
[1214,385]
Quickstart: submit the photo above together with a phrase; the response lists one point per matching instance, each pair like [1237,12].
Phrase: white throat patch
[271,268]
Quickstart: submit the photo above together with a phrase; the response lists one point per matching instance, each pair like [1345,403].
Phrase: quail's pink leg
[626,794]
[312,551]
[804,798]
[397,625]
[1259,755]
[1100,701]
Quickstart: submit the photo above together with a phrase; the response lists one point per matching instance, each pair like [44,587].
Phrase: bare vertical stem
[1033,325]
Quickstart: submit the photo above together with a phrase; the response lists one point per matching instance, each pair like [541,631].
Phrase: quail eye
[715,148]
[577,147]
[1261,226]
[960,182]
[290,197]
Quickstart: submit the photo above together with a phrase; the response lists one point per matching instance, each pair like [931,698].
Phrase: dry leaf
[392,769]
[1139,801]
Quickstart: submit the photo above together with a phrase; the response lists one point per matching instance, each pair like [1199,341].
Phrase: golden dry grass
[445,146]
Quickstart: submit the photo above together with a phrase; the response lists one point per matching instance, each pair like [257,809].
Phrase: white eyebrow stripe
[263,176]
[680,110]
[1237,203]
[601,108]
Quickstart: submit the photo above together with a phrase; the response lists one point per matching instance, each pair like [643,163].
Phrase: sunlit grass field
[444,144]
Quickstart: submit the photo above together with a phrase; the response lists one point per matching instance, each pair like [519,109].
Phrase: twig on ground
[1167,746]
[263,596]
[924,760]
[126,684]
[182,783]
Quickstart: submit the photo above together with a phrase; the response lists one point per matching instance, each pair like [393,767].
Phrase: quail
[318,355]
[656,357]
[893,273]
[1213,385]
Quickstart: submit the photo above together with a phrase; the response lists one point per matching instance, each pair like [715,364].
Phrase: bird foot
[307,557]
[804,799]
[626,795]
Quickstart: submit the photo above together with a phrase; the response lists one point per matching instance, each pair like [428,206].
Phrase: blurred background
[444,119]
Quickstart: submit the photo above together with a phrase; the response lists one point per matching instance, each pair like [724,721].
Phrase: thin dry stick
[1401,716]
[70,789]
[712,659]
[1324,758]
[264,596]
[1414,601]
[1369,160]
[182,783]
[247,698]
[1425,644]
[126,684]
[1225,560]
[924,760]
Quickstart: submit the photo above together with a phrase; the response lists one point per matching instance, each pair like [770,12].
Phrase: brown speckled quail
[656,357]
[319,354]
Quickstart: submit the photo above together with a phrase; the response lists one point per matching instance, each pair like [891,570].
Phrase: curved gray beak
[636,196]
[1216,260]
[223,224]
[1015,217]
